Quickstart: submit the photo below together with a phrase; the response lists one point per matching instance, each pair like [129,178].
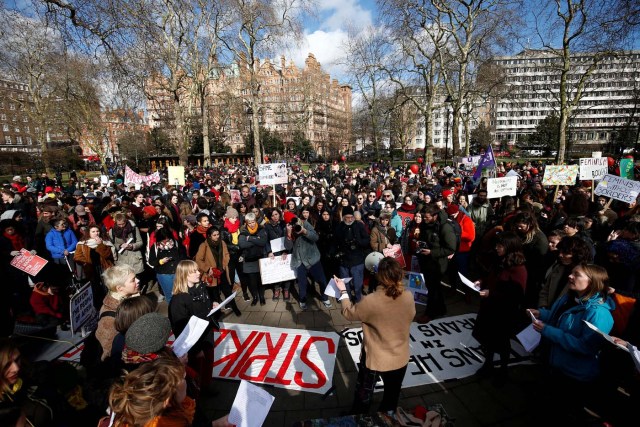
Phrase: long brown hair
[598,280]
[8,349]
[390,275]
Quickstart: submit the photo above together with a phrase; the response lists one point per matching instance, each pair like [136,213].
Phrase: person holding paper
[190,298]
[252,240]
[386,317]
[126,237]
[573,347]
[276,229]
[502,295]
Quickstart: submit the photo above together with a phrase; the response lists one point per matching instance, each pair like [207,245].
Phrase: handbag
[211,278]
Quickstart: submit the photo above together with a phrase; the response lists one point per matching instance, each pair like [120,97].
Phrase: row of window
[19,141]
[6,128]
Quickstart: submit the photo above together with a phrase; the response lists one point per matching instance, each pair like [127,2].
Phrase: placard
[505,186]
[626,168]
[295,359]
[593,168]
[276,270]
[470,162]
[618,188]
[235,196]
[81,307]
[440,350]
[273,173]
[560,175]
[406,218]
[414,282]
[30,264]
[176,175]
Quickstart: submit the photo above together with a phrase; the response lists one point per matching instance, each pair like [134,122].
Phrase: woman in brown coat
[95,253]
[213,262]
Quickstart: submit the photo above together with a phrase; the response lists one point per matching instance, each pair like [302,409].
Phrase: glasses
[372,196]
[360,198]
[388,195]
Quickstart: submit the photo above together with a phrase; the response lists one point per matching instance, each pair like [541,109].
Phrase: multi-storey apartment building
[291,101]
[611,96]
[17,130]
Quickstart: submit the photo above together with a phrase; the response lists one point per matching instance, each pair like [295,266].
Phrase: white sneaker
[160,297]
[303,305]
[327,303]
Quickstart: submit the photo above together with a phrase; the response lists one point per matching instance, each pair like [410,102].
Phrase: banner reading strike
[295,359]
[560,175]
[441,350]
[593,168]
[273,173]
[618,188]
[498,187]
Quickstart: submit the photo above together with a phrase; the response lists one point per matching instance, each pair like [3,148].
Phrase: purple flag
[487,160]
[427,170]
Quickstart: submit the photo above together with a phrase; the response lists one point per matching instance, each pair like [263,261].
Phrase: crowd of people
[559,252]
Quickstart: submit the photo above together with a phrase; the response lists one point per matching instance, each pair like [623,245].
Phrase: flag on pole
[427,170]
[487,160]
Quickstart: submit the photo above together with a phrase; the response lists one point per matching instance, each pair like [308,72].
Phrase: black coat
[194,303]
[352,242]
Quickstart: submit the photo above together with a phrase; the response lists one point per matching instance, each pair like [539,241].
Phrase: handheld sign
[498,187]
[273,173]
[560,175]
[81,307]
[276,270]
[618,188]
[593,168]
[30,264]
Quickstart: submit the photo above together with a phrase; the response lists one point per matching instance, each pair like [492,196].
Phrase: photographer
[301,240]
[353,243]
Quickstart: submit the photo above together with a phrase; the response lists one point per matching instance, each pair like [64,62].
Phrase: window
[18,140]
[12,106]
[3,116]
[7,139]
[5,127]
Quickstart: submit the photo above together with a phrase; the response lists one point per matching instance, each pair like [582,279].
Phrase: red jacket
[43,302]
[468,232]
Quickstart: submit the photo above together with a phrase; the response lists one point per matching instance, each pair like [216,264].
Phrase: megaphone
[372,260]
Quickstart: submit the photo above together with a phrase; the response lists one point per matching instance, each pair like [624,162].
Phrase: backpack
[457,230]
[91,355]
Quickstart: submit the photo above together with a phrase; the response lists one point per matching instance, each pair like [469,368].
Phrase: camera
[421,245]
[297,227]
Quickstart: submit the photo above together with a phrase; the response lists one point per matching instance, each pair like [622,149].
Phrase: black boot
[254,301]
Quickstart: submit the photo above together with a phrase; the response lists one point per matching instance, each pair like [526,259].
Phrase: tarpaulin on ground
[440,350]
[295,359]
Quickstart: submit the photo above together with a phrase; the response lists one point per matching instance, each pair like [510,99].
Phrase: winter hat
[347,210]
[48,190]
[231,212]
[17,178]
[191,219]
[150,210]
[91,196]
[446,193]
[288,216]
[453,209]
[148,334]
[77,193]
[80,210]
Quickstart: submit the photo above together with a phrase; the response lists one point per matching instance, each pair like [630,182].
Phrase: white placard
[81,307]
[273,173]
[596,154]
[593,168]
[529,338]
[618,188]
[469,283]
[498,187]
[176,175]
[251,406]
[276,270]
[189,336]
[104,180]
[295,359]
[470,162]
[440,350]
[277,245]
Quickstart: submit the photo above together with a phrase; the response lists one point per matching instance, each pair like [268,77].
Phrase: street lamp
[447,102]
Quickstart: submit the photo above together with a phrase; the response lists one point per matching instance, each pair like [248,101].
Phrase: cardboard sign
[626,168]
[618,188]
[176,175]
[273,173]
[276,270]
[406,218]
[81,307]
[295,359]
[441,350]
[560,175]
[235,196]
[498,187]
[593,168]
[468,163]
[414,282]
[30,264]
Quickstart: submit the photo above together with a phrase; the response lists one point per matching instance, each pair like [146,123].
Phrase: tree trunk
[206,162]
[181,140]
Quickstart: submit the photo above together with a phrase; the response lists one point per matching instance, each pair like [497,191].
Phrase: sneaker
[246,297]
[327,303]
[286,296]
[160,298]
[303,305]
[276,295]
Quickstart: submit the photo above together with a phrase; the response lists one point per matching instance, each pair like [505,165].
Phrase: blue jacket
[56,245]
[396,223]
[574,346]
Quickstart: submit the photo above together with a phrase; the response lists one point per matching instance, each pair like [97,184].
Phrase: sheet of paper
[469,283]
[606,336]
[128,241]
[277,245]
[251,406]
[529,338]
[222,304]
[332,289]
[189,336]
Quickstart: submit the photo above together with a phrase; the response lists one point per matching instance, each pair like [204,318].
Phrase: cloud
[338,14]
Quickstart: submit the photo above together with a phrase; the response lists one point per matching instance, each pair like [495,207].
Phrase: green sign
[626,168]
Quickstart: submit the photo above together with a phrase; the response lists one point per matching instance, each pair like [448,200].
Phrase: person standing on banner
[386,317]
[352,242]
[437,243]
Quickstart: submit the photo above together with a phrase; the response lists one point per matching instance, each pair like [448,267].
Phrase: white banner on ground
[294,359]
[593,168]
[273,173]
[498,187]
[440,350]
[618,188]
[276,270]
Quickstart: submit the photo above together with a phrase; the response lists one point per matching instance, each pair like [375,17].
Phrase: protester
[352,243]
[95,254]
[252,241]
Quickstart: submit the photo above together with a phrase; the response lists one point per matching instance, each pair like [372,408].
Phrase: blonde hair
[116,276]
[180,282]
[143,393]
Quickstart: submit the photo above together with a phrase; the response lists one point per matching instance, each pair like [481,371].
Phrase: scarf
[166,245]
[132,357]
[17,242]
[231,226]
[253,230]
[216,250]
[202,230]
[122,232]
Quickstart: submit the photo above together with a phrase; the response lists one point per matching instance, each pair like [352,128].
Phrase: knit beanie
[148,334]
[288,216]
[150,210]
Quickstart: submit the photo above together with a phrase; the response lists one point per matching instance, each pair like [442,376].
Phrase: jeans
[166,283]
[356,272]
[317,273]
